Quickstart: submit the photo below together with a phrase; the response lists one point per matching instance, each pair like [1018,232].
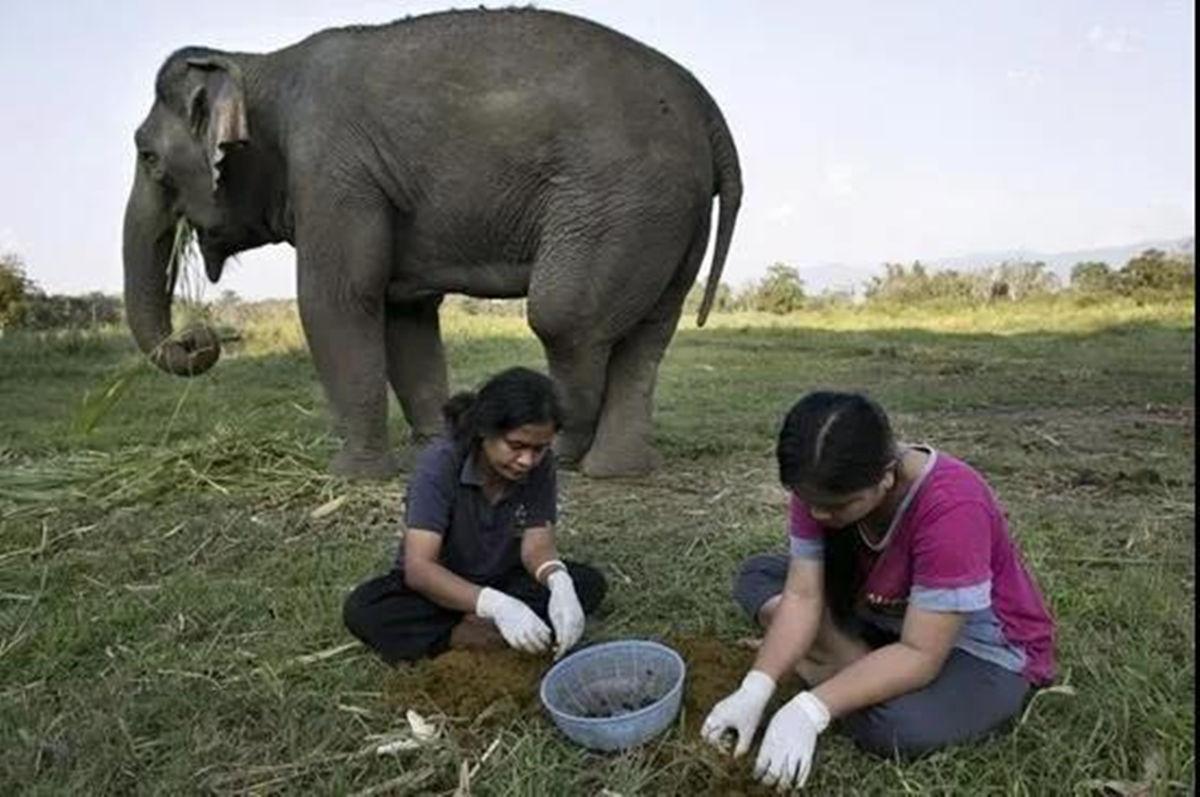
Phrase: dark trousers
[969,699]
[401,624]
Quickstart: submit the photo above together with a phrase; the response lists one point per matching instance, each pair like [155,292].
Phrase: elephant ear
[217,110]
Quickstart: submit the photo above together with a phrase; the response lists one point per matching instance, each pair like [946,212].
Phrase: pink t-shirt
[949,550]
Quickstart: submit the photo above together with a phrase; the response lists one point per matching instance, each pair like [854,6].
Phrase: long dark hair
[510,399]
[836,443]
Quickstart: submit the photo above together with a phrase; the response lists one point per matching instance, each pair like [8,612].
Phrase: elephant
[492,153]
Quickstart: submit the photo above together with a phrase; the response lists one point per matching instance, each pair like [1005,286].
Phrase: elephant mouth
[214,251]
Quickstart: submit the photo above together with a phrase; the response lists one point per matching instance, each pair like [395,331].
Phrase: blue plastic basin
[615,695]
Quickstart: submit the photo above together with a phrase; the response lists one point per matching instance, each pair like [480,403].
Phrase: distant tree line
[23,304]
[1149,276]
[1152,272]
[1152,275]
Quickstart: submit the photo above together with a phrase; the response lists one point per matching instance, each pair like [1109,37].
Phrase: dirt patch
[1180,413]
[1122,481]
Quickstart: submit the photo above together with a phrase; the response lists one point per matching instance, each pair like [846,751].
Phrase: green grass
[162,576]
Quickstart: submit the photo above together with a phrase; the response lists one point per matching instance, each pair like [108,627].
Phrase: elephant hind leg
[623,444]
[416,365]
[579,370]
[612,294]
[577,331]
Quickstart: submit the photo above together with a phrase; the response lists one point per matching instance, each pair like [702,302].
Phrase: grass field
[171,580]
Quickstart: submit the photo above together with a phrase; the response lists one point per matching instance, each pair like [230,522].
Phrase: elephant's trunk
[150,281]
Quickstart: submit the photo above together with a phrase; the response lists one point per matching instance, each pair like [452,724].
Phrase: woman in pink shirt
[903,603]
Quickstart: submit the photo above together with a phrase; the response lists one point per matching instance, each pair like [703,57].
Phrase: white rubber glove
[518,624]
[786,754]
[566,614]
[740,712]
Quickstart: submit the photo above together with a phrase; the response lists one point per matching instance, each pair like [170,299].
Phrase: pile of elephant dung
[472,686]
[714,669]
[469,685]
[477,689]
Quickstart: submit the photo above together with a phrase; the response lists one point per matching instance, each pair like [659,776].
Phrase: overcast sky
[868,131]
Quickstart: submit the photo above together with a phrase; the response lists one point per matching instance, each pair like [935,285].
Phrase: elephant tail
[728,187]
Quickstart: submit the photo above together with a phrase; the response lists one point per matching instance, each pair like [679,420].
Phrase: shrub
[15,290]
[781,291]
[1155,271]
[1019,279]
[1149,274]
[57,311]
[917,284]
[1092,276]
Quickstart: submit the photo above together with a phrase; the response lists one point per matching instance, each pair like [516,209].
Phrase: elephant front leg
[342,312]
[416,365]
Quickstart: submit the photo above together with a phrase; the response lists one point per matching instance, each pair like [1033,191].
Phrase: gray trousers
[969,699]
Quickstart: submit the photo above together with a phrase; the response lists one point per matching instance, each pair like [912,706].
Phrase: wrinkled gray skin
[489,153]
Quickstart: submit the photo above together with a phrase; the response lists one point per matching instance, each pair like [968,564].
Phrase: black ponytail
[458,414]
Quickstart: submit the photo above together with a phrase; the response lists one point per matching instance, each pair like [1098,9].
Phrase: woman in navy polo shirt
[477,566]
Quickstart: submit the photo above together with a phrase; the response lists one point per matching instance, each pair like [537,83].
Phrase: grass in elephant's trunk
[185,272]
[188,310]
[479,691]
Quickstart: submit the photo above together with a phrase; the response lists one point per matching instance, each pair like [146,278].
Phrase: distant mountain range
[1061,262]
[847,276]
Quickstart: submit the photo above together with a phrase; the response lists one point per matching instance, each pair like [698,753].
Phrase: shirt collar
[913,489]
[469,473]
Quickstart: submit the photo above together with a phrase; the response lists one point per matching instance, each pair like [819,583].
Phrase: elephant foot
[601,464]
[419,439]
[375,465]
[406,457]
[569,450]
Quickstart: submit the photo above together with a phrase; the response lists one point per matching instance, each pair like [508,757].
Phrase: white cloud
[1115,40]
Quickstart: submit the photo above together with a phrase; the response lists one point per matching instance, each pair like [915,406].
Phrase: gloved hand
[517,623]
[566,614]
[740,711]
[786,754]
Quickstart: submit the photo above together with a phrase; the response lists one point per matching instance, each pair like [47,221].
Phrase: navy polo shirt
[480,541]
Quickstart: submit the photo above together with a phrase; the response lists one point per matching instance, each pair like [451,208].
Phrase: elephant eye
[149,158]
